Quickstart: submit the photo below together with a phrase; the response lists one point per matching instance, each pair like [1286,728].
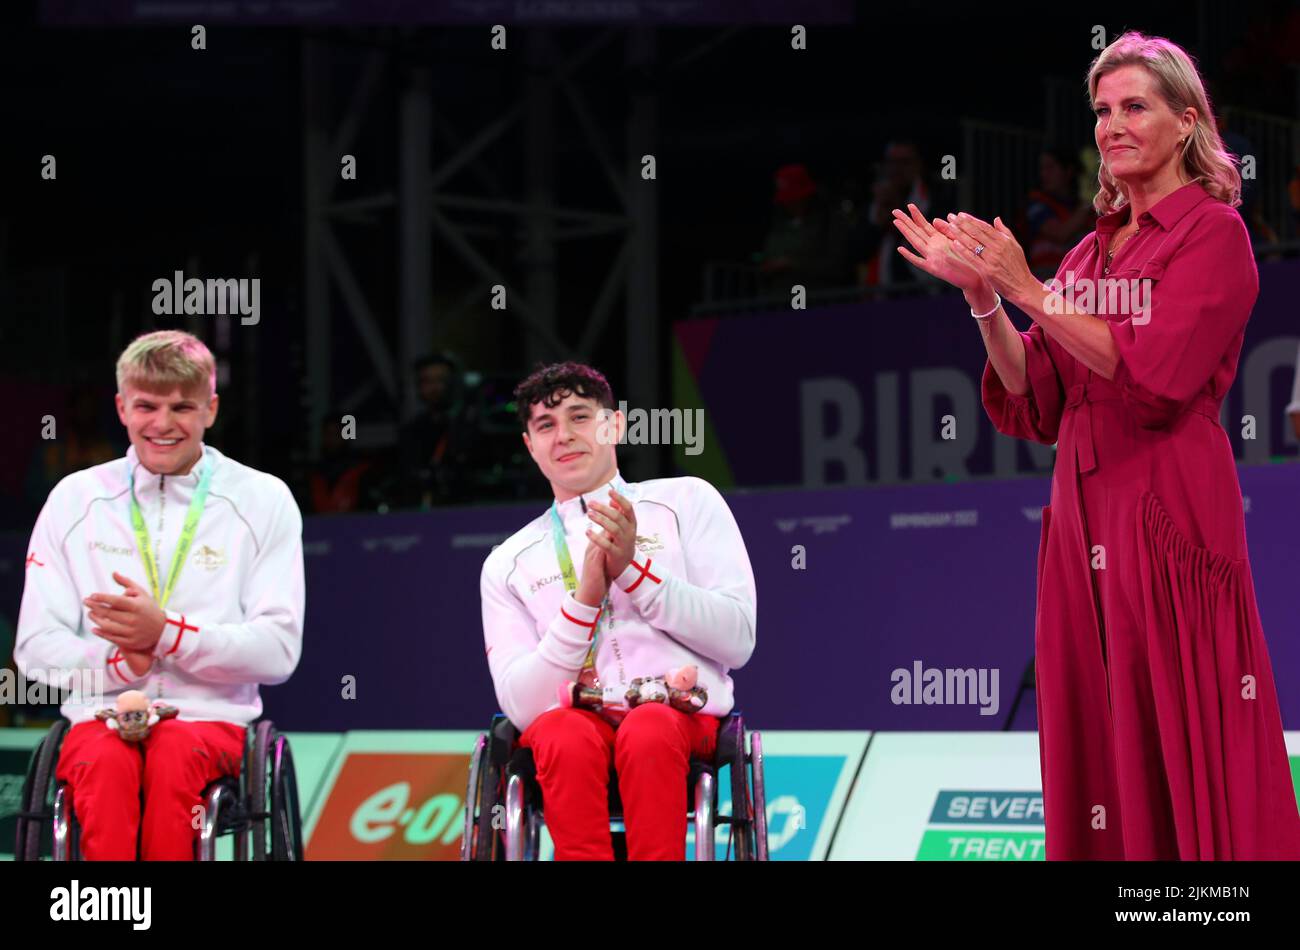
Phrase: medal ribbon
[571,583]
[183,545]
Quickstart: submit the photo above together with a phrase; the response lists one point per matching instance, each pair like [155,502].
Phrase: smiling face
[1137,131]
[573,443]
[166,429]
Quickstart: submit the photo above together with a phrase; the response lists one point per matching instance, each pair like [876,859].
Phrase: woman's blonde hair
[165,359]
[1204,158]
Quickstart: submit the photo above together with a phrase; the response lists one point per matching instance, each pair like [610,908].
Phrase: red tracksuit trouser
[124,793]
[650,750]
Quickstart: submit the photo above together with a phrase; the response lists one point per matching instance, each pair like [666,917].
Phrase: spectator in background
[1055,218]
[340,481]
[806,241]
[432,445]
[900,179]
[1260,231]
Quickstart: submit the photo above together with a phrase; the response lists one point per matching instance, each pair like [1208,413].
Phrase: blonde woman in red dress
[1159,729]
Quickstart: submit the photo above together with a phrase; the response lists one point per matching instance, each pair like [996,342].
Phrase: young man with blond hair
[617,581]
[176,571]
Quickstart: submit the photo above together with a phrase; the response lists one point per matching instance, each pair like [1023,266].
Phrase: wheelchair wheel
[489,838]
[760,795]
[36,800]
[274,819]
[286,818]
[254,783]
[740,823]
[472,793]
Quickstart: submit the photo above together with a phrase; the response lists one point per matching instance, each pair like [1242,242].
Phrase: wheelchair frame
[260,807]
[502,774]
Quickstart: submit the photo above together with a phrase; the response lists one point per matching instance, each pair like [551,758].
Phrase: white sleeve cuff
[120,674]
[640,580]
[179,635]
[569,636]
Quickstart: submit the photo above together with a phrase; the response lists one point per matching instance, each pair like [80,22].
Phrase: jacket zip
[162,504]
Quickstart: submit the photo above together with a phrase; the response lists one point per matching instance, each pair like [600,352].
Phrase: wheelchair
[259,807]
[504,814]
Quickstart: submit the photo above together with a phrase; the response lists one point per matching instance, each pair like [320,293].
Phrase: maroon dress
[1159,729]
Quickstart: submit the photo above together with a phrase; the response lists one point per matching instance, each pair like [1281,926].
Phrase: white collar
[600,494]
[142,475]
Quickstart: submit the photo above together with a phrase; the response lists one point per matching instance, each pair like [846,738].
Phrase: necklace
[1110,253]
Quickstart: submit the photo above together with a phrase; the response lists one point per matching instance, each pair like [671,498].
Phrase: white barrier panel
[959,796]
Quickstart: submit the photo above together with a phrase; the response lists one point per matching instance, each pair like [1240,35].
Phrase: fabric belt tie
[1083,395]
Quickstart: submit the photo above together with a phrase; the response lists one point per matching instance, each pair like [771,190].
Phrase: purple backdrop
[858,392]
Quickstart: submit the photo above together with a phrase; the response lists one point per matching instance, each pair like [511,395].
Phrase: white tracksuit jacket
[687,597]
[234,619]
